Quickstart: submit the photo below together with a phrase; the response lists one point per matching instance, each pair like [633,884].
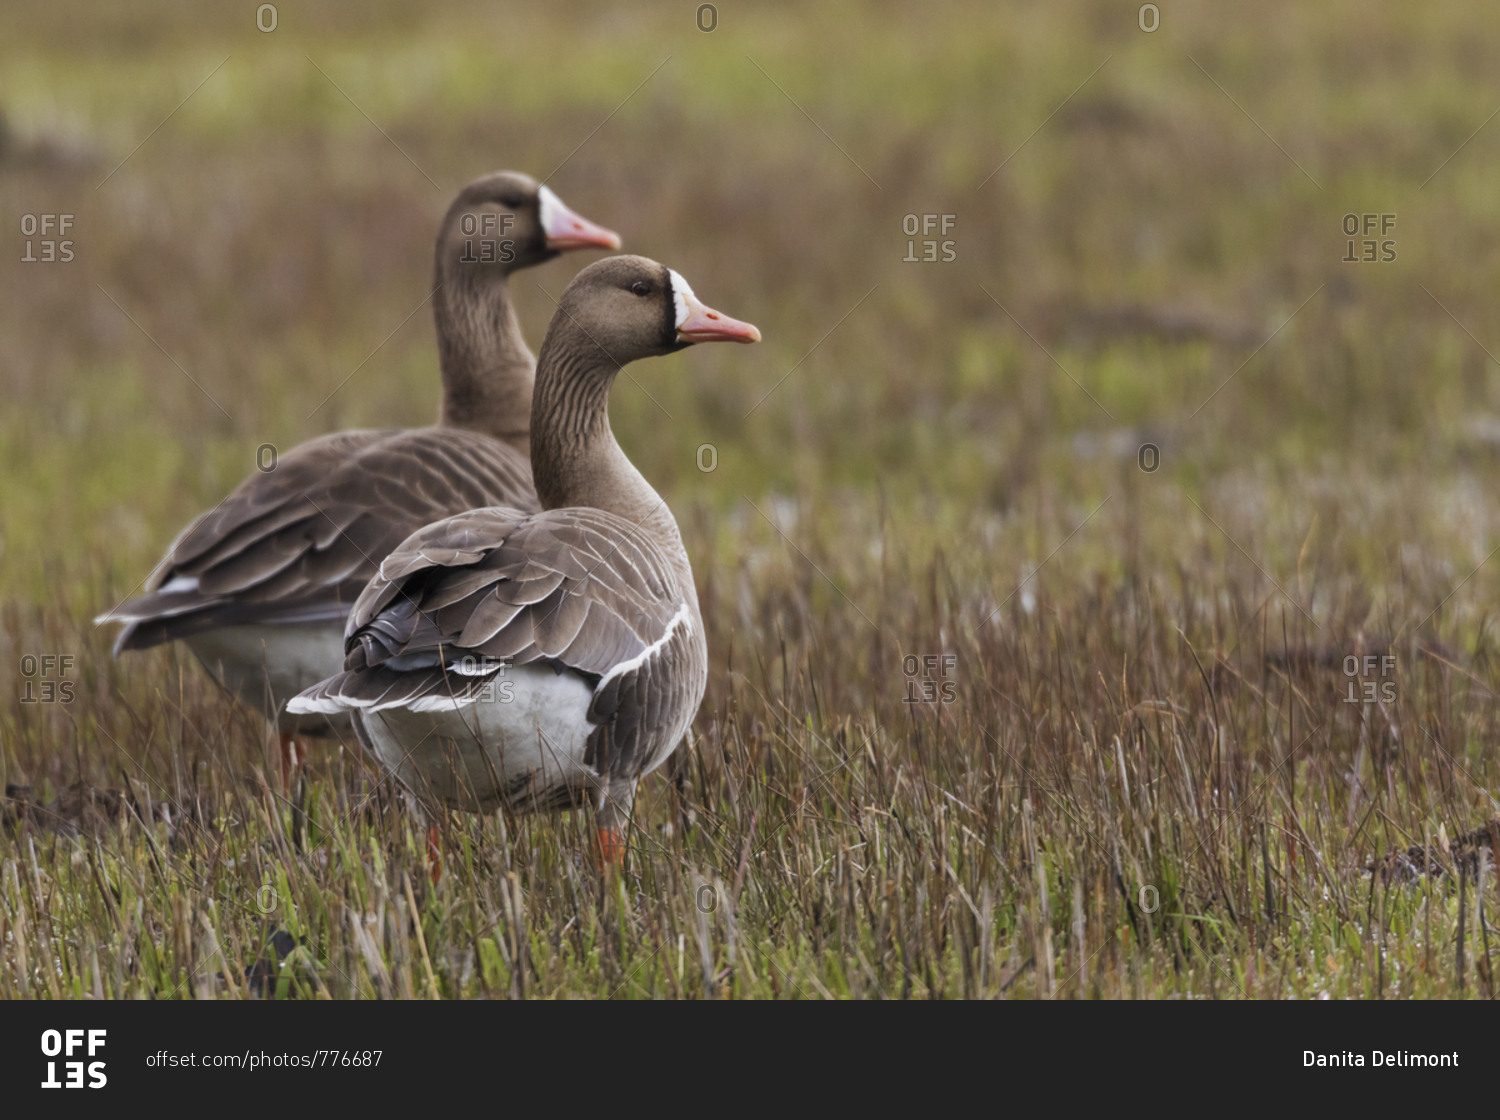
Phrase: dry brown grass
[1147,781]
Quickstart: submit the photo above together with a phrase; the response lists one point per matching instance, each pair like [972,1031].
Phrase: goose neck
[487,370]
[575,458]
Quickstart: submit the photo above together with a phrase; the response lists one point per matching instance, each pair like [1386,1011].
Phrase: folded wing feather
[579,589]
[297,543]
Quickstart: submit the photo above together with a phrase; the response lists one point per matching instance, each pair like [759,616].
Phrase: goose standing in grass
[535,660]
[259,586]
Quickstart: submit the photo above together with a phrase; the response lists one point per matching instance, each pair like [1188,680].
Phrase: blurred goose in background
[259,587]
[535,660]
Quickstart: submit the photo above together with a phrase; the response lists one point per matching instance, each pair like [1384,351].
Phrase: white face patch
[681,292]
[550,205]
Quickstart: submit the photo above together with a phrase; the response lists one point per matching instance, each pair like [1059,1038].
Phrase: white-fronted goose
[259,587]
[537,660]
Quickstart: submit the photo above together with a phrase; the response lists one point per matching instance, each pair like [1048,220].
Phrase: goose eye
[641,288]
[511,201]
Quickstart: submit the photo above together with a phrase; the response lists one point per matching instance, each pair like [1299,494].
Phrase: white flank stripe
[437,703]
[476,666]
[650,651]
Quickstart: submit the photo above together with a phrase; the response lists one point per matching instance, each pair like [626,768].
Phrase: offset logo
[931,678]
[52,227]
[1376,245]
[67,1044]
[493,249]
[936,228]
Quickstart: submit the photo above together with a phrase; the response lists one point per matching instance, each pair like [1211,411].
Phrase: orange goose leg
[611,845]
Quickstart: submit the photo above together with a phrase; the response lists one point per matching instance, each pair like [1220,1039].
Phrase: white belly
[265,665]
[521,745]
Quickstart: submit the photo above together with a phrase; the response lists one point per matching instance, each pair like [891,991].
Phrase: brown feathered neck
[575,459]
[488,373]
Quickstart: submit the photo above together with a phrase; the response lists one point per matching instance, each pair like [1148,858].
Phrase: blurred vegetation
[1149,241]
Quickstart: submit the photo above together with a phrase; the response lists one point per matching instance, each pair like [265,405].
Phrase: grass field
[1084,611]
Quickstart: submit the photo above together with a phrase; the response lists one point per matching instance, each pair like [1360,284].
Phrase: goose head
[506,220]
[633,307]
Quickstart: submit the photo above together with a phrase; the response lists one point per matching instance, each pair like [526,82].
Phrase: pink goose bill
[697,322]
[566,230]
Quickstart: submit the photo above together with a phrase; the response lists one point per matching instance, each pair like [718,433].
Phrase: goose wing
[579,589]
[298,542]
